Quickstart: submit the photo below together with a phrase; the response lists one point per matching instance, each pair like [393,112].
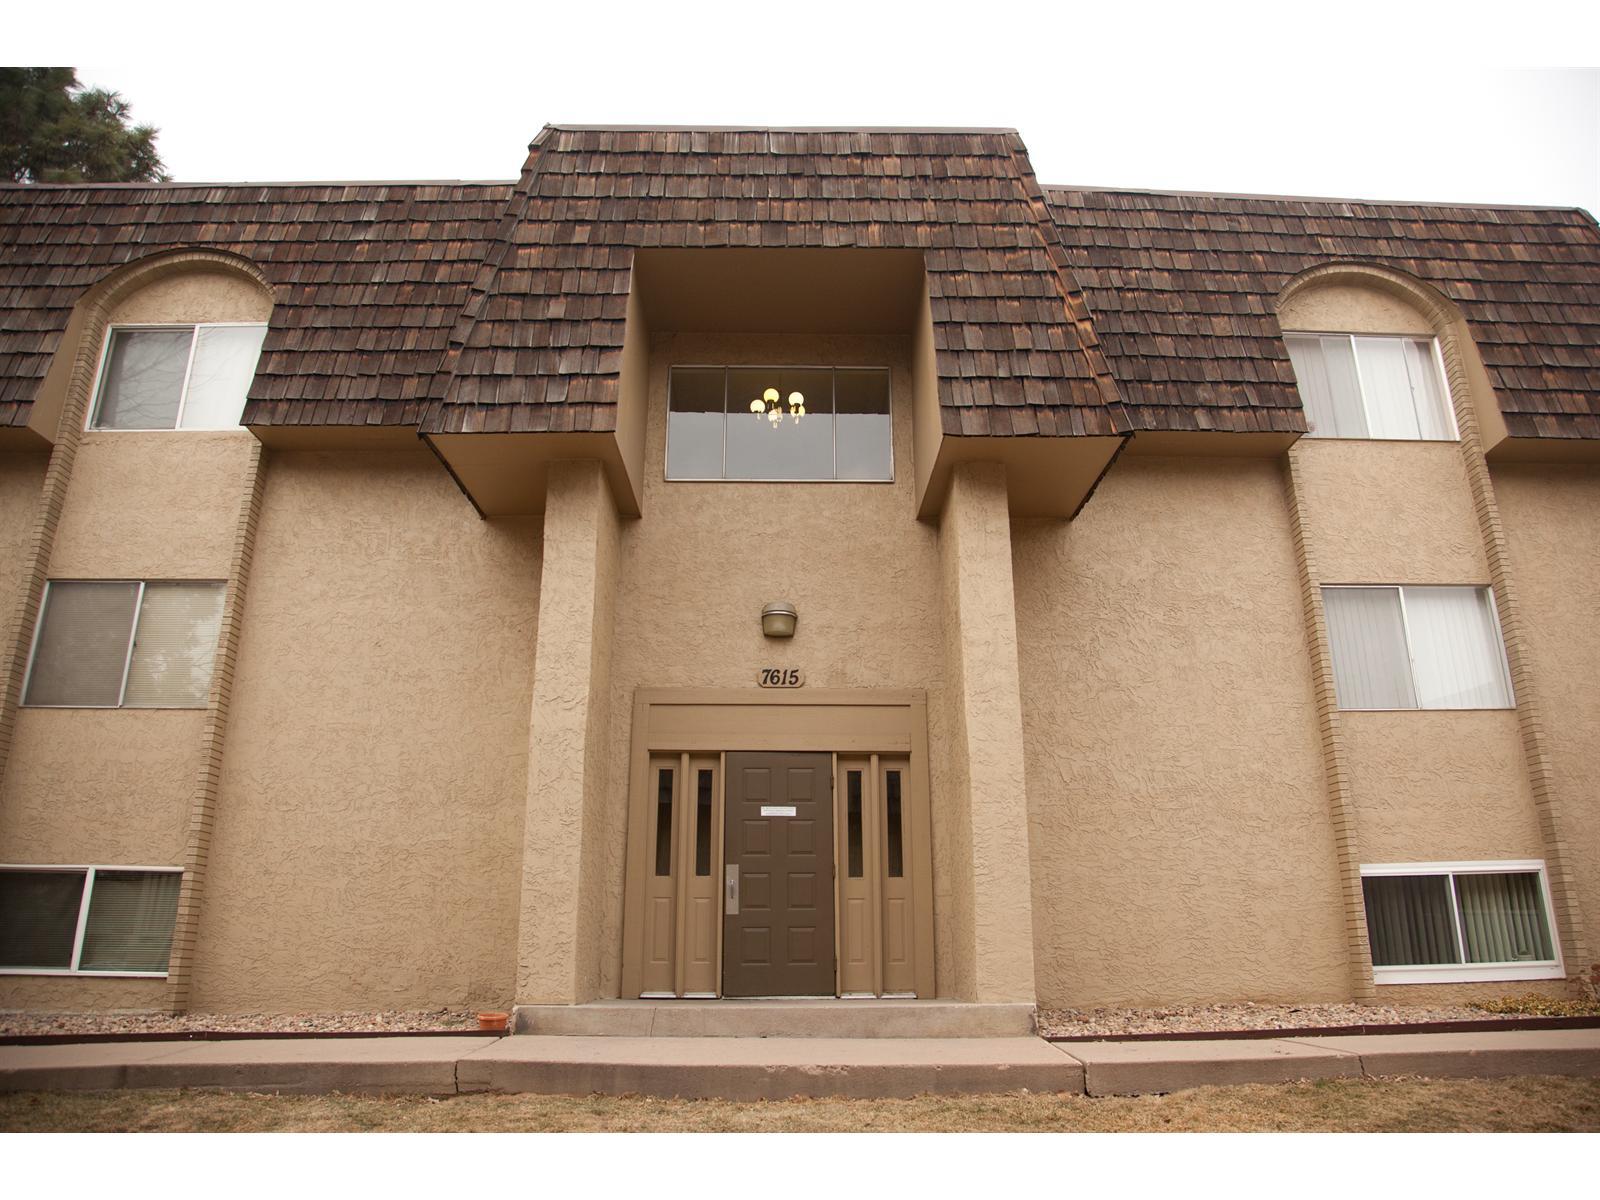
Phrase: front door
[778,887]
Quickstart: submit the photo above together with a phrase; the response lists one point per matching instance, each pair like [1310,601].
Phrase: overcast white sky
[1501,104]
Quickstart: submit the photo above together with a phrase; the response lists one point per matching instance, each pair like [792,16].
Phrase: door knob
[730,904]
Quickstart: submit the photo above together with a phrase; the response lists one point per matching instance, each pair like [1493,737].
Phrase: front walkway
[776,1068]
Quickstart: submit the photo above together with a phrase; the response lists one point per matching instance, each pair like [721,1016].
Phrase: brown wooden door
[779,839]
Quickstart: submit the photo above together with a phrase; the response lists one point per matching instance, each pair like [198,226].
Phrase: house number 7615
[782,677]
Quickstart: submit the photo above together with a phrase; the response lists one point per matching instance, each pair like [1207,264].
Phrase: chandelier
[770,405]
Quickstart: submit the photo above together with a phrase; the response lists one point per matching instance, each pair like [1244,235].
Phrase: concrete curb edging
[778,1068]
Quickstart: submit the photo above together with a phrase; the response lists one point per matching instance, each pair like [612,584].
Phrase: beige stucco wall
[1390,512]
[193,297]
[21,479]
[369,815]
[1348,308]
[1551,516]
[1182,848]
[696,568]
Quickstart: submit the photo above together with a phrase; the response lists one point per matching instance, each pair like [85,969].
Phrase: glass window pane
[1366,636]
[794,445]
[694,423]
[664,822]
[1503,918]
[1427,390]
[1325,370]
[224,364]
[39,918]
[702,824]
[143,379]
[131,914]
[1408,920]
[83,644]
[174,645]
[862,431]
[852,824]
[1387,387]
[892,824]
[1455,647]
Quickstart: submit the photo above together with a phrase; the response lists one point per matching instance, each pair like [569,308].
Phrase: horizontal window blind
[131,915]
[174,645]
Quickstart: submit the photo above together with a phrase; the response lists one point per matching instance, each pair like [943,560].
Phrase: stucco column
[989,805]
[558,935]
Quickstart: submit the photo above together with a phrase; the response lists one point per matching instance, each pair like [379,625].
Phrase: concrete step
[821,1018]
[731,1068]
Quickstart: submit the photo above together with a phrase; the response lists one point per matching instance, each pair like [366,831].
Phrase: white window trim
[666,454]
[89,871]
[1361,384]
[194,328]
[1464,972]
[127,659]
[1411,660]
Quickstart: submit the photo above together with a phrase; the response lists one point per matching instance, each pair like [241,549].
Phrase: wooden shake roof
[460,307]
[1182,288]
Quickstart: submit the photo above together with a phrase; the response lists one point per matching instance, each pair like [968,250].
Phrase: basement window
[1459,922]
[1355,386]
[1416,647]
[124,644]
[87,920]
[779,424]
[176,377]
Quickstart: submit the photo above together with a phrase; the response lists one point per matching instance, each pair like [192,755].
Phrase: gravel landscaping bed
[1216,1018]
[396,1021]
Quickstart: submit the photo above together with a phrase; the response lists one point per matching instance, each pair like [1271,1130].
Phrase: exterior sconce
[778,618]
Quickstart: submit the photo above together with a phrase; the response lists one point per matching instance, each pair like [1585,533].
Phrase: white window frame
[127,657]
[725,367]
[188,367]
[1465,972]
[89,871]
[1411,658]
[1361,384]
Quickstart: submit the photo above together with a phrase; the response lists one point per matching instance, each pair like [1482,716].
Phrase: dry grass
[1527,1104]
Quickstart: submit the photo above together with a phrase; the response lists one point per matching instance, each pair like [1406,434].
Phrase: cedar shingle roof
[368,280]
[542,345]
[1182,290]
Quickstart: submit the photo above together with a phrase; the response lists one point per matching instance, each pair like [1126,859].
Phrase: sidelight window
[779,424]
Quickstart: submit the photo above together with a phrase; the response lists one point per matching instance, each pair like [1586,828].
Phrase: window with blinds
[1416,647]
[95,920]
[1355,386]
[1429,922]
[124,644]
[182,377]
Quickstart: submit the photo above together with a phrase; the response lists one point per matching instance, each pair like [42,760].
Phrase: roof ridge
[1199,195]
[216,183]
[995,129]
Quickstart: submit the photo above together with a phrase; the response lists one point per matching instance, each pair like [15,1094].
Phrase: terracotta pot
[493,1022]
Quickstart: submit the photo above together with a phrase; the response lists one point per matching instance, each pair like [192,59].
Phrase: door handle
[730,902]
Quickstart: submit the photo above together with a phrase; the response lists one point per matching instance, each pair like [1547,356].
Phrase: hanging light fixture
[770,405]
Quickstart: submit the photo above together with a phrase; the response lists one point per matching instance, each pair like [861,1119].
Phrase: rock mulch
[1216,1018]
[396,1021]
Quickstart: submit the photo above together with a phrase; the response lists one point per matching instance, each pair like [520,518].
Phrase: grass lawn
[1523,1104]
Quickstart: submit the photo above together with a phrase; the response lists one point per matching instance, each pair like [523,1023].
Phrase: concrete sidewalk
[777,1068]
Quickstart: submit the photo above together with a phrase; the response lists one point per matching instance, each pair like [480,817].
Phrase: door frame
[713,721]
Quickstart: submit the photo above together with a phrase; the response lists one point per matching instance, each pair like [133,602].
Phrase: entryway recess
[778,845]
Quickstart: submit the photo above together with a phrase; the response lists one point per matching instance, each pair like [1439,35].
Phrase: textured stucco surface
[697,567]
[1552,521]
[568,785]
[369,816]
[1181,840]
[1348,308]
[79,993]
[987,791]
[1390,512]
[21,478]
[192,297]
[152,506]
[1440,786]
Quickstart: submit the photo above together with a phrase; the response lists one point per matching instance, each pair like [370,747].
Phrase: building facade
[816,562]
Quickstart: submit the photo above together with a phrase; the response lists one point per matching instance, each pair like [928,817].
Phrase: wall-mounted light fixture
[778,618]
